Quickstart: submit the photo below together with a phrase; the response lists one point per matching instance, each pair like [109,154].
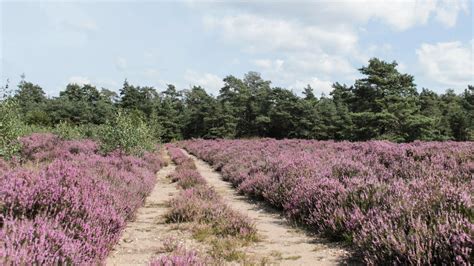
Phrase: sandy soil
[282,243]
[143,237]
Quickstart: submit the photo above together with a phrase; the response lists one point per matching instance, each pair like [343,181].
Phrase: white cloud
[448,10]
[121,63]
[303,50]
[448,63]
[210,82]
[107,83]
[319,86]
[79,80]
[69,24]
[321,63]
[69,16]
[303,67]
[151,72]
[260,33]
[269,65]
[398,14]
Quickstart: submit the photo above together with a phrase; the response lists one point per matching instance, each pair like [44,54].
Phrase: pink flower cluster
[67,204]
[397,203]
[181,160]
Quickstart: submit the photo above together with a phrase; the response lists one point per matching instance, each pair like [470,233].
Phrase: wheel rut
[143,237]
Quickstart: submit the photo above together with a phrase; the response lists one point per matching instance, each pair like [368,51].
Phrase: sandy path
[282,243]
[143,237]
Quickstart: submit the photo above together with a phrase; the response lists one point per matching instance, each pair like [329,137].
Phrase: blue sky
[154,43]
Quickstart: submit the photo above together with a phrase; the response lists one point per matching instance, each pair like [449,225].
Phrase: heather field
[395,203]
[70,202]
[63,202]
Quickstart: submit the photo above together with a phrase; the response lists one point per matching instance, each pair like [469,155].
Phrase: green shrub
[68,131]
[11,128]
[127,132]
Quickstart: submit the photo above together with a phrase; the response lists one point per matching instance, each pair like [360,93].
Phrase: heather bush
[203,205]
[397,203]
[186,178]
[71,207]
[39,241]
[179,158]
[43,147]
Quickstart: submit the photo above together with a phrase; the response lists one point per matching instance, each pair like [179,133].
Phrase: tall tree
[385,103]
[31,101]
[198,105]
[170,111]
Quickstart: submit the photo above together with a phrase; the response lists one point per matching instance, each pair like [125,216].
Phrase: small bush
[127,133]
[11,128]
[187,178]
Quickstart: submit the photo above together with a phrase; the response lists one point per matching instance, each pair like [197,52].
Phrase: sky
[291,43]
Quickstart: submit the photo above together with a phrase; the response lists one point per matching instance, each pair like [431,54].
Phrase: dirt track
[143,237]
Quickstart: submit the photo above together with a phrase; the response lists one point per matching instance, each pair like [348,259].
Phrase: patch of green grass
[227,249]
[276,254]
[202,233]
[292,257]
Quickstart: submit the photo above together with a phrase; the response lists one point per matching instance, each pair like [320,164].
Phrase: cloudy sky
[292,43]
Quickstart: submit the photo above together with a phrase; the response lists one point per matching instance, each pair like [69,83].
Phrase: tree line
[384,104]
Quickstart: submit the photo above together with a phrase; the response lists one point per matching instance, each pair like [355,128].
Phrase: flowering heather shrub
[179,158]
[203,205]
[397,203]
[43,147]
[187,178]
[154,160]
[41,241]
[185,173]
[73,208]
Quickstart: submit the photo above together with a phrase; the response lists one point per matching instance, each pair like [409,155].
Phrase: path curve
[281,242]
[142,237]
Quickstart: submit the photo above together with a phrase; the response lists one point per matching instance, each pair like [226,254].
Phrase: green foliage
[70,131]
[67,131]
[156,129]
[81,105]
[170,112]
[11,128]
[127,132]
[137,98]
[382,104]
